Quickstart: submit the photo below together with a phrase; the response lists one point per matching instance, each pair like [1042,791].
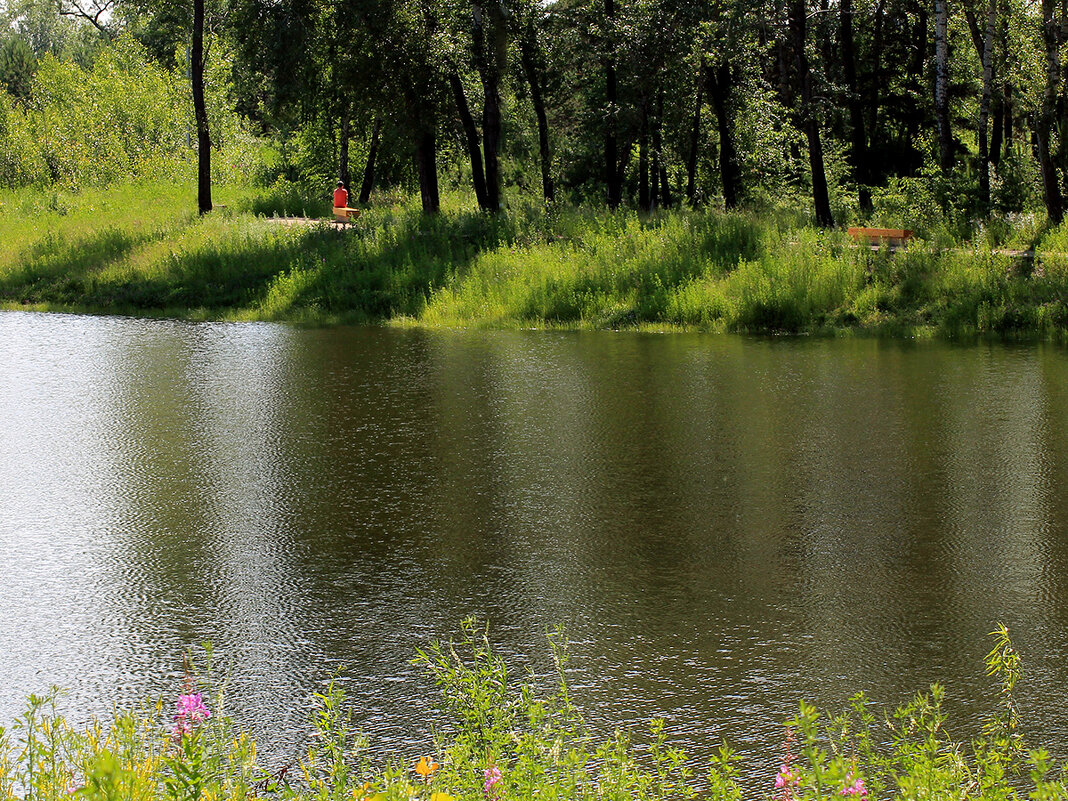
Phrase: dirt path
[307,222]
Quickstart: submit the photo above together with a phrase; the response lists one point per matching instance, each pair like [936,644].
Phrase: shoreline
[888,332]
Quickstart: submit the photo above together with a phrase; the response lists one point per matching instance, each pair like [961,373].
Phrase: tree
[1044,124]
[941,85]
[200,110]
[858,137]
[983,39]
[807,114]
[17,65]
[613,178]
[530,14]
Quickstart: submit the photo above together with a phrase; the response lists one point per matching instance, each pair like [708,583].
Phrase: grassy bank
[507,742]
[141,250]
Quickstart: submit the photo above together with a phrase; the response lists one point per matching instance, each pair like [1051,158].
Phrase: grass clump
[506,741]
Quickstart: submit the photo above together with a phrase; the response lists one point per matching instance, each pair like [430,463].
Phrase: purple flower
[493,778]
[190,710]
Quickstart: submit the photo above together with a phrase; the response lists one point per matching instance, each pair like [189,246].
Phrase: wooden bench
[345,214]
[894,237]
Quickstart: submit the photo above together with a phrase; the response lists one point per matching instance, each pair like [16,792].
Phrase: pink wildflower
[856,788]
[191,710]
[784,779]
[493,778]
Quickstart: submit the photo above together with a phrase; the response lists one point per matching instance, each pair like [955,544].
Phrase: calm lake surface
[723,524]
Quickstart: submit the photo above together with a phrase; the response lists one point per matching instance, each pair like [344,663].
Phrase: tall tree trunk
[1006,137]
[1006,89]
[983,39]
[622,164]
[529,56]
[941,85]
[643,158]
[720,81]
[426,162]
[343,148]
[660,176]
[200,111]
[996,127]
[859,140]
[695,138]
[808,117]
[491,49]
[1046,116]
[984,104]
[369,167]
[474,150]
[874,82]
[613,181]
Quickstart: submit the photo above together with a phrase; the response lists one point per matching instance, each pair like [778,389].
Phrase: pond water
[724,525]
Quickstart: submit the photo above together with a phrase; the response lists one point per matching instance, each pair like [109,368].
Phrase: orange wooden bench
[894,237]
[344,214]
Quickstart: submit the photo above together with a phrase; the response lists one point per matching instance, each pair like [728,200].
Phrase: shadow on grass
[65,271]
[371,271]
[377,270]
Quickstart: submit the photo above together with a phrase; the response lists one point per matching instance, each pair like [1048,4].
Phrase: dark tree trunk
[995,132]
[622,164]
[720,81]
[695,138]
[491,142]
[859,141]
[1006,93]
[917,74]
[643,158]
[613,180]
[489,33]
[983,39]
[1047,114]
[941,85]
[474,150]
[984,104]
[200,111]
[369,168]
[660,176]
[343,148]
[529,56]
[808,118]
[873,99]
[426,162]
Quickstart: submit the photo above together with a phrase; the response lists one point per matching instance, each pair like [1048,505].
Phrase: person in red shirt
[341,196]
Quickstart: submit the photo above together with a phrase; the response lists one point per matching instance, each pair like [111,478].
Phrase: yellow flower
[426,768]
[365,792]
[440,797]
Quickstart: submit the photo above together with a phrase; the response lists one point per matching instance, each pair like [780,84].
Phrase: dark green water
[723,524]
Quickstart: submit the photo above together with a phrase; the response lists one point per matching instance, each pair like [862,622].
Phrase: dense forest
[639,103]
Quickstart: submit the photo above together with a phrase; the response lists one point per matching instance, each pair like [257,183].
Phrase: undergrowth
[508,741]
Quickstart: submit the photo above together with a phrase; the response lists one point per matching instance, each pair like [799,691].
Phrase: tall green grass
[140,249]
[508,740]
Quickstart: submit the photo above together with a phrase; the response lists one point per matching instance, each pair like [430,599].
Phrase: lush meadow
[139,248]
[507,740]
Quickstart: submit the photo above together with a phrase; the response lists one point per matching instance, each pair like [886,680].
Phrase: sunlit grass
[141,249]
